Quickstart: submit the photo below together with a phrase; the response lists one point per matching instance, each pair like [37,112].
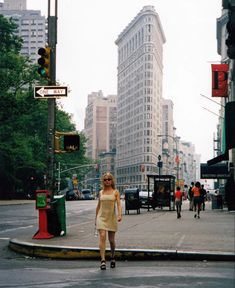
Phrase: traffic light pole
[52,41]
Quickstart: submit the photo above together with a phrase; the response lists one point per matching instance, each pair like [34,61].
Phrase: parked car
[71,195]
[87,194]
[146,199]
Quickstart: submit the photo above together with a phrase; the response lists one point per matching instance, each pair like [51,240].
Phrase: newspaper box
[42,204]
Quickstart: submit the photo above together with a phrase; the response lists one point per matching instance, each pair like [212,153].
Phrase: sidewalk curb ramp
[73,253]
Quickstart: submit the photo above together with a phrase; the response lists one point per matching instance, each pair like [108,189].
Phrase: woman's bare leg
[102,244]
[111,235]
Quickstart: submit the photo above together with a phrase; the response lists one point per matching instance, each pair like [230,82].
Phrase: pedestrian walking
[178,201]
[185,192]
[106,218]
[190,197]
[203,197]
[196,191]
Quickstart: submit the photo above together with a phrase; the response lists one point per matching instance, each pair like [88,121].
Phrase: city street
[23,271]
[31,273]
[140,114]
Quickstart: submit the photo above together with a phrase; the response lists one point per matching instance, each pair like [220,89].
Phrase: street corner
[72,253]
[53,251]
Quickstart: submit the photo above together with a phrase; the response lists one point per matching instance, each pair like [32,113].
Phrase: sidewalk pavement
[150,235]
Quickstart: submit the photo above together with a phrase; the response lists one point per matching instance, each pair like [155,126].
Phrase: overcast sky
[87,57]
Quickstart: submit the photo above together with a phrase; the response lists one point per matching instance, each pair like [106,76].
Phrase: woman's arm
[97,207]
[119,206]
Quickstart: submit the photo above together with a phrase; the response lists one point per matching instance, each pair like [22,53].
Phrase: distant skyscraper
[189,161]
[100,124]
[31,26]
[168,136]
[139,99]
[13,4]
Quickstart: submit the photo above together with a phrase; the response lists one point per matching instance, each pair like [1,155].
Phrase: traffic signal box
[44,62]
[71,142]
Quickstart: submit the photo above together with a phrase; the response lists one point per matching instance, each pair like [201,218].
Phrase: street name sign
[43,92]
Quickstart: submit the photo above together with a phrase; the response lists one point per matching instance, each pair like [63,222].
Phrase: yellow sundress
[106,218]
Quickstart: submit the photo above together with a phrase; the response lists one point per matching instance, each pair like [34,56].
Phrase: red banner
[219,80]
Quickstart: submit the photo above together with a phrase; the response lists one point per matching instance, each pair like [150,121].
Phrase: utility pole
[159,164]
[52,41]
[59,178]
[177,159]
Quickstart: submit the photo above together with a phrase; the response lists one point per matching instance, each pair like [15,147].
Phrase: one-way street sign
[50,91]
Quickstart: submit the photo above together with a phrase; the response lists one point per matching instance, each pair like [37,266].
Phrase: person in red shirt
[196,191]
[178,201]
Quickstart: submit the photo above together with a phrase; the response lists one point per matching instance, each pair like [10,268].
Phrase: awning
[216,171]
[228,137]
[222,157]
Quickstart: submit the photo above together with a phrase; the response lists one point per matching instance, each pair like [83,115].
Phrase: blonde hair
[108,174]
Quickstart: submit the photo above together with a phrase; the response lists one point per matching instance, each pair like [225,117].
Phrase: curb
[72,253]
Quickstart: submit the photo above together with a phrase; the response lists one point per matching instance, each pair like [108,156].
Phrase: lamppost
[52,41]
[177,160]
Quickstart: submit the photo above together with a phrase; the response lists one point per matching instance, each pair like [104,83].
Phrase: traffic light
[230,41]
[44,62]
[71,142]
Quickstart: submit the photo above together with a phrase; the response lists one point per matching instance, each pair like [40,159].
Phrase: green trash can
[132,200]
[59,201]
[56,220]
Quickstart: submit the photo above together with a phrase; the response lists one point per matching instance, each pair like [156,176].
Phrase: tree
[23,129]
[14,74]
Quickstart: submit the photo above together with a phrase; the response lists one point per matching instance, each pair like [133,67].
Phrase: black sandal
[112,263]
[103,265]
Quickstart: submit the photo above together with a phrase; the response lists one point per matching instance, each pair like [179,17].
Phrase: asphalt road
[31,273]
[20,271]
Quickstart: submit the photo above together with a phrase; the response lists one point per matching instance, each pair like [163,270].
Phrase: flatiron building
[139,99]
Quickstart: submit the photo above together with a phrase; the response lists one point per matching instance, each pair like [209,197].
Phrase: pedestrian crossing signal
[71,142]
[68,140]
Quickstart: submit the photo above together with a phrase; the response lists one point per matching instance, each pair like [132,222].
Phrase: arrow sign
[50,91]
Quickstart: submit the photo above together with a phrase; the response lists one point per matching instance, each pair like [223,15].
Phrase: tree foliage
[23,129]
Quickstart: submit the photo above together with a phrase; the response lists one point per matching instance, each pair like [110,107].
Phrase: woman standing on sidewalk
[106,218]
